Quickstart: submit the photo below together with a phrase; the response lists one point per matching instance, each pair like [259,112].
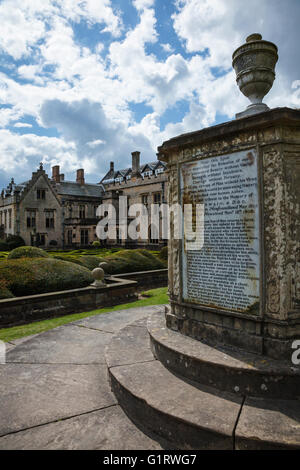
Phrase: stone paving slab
[107,429]
[132,345]
[112,322]
[65,344]
[268,424]
[16,342]
[34,394]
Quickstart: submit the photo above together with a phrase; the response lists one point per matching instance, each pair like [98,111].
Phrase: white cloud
[95,143]
[22,124]
[25,22]
[143,4]
[19,29]
[7,115]
[167,47]
[26,151]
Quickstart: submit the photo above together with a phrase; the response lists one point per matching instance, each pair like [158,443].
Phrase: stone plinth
[242,287]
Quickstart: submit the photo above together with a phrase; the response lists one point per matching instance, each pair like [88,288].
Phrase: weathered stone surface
[107,429]
[131,345]
[233,370]
[114,321]
[190,417]
[21,310]
[268,425]
[271,324]
[34,394]
[65,344]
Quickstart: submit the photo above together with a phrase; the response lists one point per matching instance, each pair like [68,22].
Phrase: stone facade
[275,137]
[51,212]
[141,184]
[58,213]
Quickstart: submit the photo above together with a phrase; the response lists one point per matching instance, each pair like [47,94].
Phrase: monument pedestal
[241,286]
[219,374]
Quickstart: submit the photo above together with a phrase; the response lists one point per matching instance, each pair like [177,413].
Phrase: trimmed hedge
[14,241]
[11,242]
[27,252]
[27,276]
[3,245]
[4,291]
[90,262]
[163,254]
[129,261]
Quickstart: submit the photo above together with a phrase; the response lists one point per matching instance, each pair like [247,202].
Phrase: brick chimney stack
[80,176]
[55,173]
[135,163]
[112,167]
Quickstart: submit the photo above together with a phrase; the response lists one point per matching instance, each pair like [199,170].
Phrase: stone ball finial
[254,64]
[98,275]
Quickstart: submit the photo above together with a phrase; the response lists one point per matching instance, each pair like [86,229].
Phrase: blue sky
[84,82]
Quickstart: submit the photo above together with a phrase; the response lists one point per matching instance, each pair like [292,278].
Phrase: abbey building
[52,212]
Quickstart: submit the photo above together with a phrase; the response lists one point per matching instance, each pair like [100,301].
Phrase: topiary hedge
[27,252]
[3,245]
[129,261]
[14,241]
[4,291]
[163,254]
[36,276]
[90,262]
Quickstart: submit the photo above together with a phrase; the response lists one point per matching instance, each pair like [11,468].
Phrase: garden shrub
[90,262]
[14,241]
[39,275]
[96,244]
[3,245]
[128,261]
[27,252]
[163,254]
[4,291]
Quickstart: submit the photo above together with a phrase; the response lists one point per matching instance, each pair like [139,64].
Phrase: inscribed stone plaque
[222,269]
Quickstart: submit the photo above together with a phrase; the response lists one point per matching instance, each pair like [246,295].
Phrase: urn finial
[254,64]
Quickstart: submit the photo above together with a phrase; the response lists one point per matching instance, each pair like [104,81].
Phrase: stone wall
[120,289]
[21,310]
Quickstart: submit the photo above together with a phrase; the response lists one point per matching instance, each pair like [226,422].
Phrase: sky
[86,82]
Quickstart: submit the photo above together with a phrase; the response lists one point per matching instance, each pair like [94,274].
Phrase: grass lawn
[154,297]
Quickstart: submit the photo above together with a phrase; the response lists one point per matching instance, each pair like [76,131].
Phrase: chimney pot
[135,163]
[55,173]
[80,176]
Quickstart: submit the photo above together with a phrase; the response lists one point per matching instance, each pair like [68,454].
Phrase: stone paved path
[54,392]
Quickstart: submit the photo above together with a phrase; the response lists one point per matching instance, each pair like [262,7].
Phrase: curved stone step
[188,416]
[225,369]
[267,424]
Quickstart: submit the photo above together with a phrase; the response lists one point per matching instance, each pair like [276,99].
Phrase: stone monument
[221,372]
[242,288]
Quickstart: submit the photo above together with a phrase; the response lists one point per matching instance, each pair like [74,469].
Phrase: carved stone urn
[254,64]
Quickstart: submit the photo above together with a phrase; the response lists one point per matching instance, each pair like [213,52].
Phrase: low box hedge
[29,276]
[27,252]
